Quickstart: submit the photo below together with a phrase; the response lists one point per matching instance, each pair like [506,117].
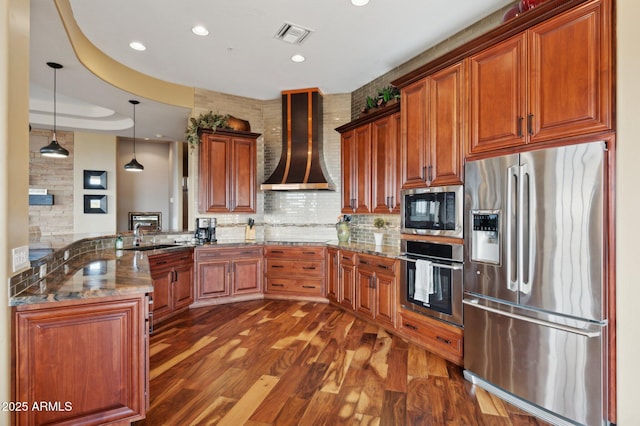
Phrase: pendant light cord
[134,131]
[55,73]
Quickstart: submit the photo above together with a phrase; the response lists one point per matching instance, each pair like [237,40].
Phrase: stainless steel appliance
[431,279]
[205,230]
[432,211]
[534,277]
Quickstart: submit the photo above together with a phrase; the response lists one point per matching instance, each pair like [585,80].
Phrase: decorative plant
[385,95]
[378,223]
[208,120]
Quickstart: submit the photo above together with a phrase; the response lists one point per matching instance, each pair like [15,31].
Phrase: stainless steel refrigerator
[534,277]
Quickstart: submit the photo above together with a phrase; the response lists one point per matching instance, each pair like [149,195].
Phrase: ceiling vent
[292,33]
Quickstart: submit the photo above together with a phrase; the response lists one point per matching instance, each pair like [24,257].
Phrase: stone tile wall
[55,175]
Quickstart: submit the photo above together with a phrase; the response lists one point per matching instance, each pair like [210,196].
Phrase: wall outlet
[20,256]
[43,271]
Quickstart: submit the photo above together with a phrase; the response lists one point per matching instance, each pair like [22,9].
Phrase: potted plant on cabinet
[379,224]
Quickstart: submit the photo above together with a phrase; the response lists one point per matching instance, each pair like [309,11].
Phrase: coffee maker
[205,230]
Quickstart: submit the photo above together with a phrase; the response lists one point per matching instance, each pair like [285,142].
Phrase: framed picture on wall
[95,204]
[95,179]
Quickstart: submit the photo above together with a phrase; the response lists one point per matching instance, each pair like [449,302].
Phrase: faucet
[137,233]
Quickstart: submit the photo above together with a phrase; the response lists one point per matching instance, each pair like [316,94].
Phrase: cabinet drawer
[441,339]
[294,267]
[316,253]
[294,285]
[377,263]
[217,253]
[167,261]
[347,258]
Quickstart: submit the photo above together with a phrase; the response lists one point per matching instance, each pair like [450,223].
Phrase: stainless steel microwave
[432,211]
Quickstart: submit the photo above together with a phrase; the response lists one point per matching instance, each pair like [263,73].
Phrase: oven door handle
[435,265]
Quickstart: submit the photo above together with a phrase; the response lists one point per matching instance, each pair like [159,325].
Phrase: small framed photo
[95,179]
[95,204]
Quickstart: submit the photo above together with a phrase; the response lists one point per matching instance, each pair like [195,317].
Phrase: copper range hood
[301,163]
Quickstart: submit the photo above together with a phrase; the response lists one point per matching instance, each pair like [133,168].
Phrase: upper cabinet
[227,173]
[432,129]
[370,170]
[549,82]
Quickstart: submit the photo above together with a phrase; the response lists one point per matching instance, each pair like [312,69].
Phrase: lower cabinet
[81,362]
[172,275]
[295,271]
[438,337]
[368,285]
[228,273]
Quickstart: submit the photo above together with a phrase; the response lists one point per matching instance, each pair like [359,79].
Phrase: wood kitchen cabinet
[433,124]
[172,276]
[228,274]
[347,280]
[295,271]
[376,289]
[370,153]
[86,359]
[550,82]
[333,273]
[227,172]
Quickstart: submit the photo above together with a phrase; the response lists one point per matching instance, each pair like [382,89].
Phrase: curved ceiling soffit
[117,74]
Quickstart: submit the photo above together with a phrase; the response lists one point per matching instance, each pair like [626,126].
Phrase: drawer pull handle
[346,258]
[308,252]
[364,262]
[277,266]
[247,252]
[277,285]
[308,286]
[277,251]
[162,262]
[443,340]
[309,268]
[383,266]
[411,326]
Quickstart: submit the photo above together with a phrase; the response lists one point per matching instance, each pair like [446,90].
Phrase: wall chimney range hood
[301,163]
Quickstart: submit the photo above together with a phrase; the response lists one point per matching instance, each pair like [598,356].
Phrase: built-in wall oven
[432,211]
[431,279]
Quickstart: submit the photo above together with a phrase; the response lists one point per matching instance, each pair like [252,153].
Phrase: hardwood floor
[288,363]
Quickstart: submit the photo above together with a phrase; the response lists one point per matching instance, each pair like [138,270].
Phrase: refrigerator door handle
[525,247]
[511,213]
[589,334]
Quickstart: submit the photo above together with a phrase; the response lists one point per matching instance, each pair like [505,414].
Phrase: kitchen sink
[152,247]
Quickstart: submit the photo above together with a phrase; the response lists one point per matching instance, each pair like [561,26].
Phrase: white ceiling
[348,47]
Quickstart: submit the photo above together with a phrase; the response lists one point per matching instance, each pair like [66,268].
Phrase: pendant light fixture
[133,165]
[54,149]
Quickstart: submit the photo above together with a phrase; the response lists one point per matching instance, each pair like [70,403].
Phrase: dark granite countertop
[99,273]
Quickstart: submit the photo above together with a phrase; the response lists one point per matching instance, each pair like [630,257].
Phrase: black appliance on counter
[205,230]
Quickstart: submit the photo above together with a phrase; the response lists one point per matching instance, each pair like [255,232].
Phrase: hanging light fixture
[54,149]
[133,165]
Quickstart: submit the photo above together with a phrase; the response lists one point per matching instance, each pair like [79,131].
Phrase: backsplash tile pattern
[362,229]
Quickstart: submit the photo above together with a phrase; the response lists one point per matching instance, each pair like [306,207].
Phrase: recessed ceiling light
[200,30]
[297,58]
[359,2]
[136,45]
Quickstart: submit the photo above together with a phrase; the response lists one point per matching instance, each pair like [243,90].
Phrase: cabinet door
[384,173]
[386,299]
[247,276]
[213,279]
[498,100]
[347,295]
[348,161]
[413,103]
[332,275]
[243,180]
[162,296]
[182,286]
[362,169]
[570,74]
[214,174]
[89,355]
[446,126]
[365,292]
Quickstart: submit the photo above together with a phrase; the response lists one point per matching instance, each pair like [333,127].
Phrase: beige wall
[627,207]
[14,161]
[94,151]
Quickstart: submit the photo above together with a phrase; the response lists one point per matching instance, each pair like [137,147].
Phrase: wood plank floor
[300,363]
